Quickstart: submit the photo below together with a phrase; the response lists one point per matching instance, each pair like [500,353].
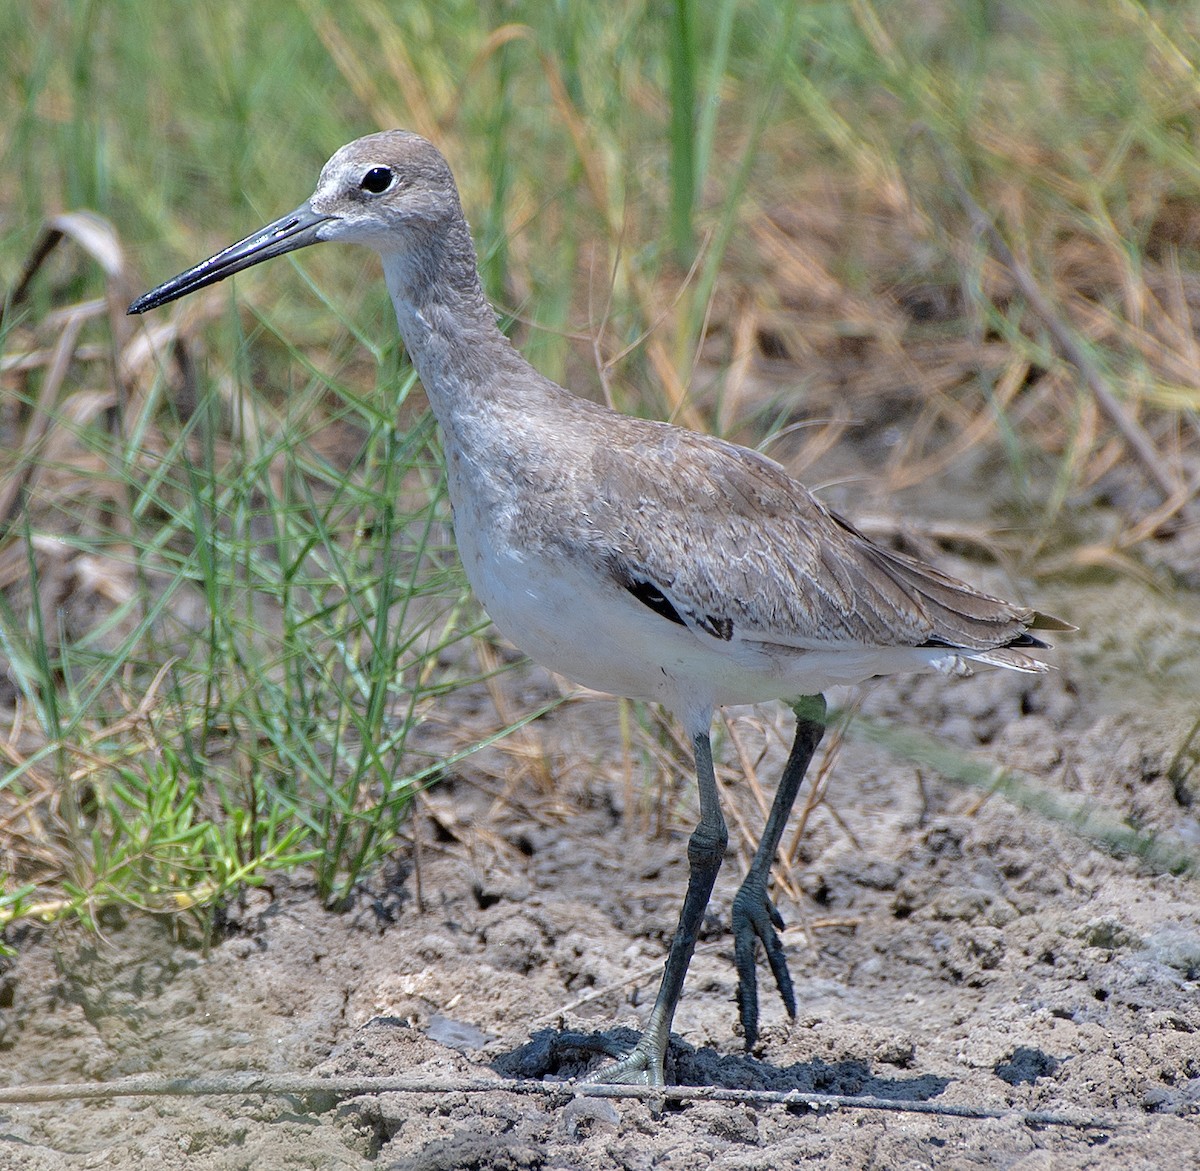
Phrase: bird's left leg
[755,917]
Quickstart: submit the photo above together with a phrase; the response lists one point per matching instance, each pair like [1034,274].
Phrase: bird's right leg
[644,1065]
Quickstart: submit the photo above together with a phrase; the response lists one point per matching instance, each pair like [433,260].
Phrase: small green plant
[273,607]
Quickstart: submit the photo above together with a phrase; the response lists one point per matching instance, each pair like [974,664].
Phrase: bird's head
[384,191]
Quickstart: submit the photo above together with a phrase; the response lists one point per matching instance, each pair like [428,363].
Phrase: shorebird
[632,556]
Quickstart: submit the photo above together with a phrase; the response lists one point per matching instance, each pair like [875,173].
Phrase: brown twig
[269,1085]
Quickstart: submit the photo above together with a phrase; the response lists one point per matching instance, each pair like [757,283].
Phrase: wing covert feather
[728,534]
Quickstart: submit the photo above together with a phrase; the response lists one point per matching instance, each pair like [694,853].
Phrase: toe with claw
[755,920]
[642,1066]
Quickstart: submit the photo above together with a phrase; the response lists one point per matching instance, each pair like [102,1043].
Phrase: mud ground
[946,949]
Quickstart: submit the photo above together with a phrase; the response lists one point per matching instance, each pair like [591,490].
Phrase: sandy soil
[944,950]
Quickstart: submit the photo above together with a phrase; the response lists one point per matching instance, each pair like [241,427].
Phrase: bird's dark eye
[377,180]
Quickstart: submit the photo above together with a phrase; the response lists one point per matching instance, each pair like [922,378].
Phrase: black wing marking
[650,595]
[1020,642]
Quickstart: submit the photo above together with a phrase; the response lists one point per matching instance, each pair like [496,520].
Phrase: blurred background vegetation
[947,252]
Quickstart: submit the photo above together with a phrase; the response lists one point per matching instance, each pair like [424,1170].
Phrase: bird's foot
[755,919]
[643,1065]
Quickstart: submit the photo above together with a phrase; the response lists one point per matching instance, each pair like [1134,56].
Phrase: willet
[635,557]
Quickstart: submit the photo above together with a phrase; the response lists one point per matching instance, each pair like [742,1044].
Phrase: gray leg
[755,917]
[706,851]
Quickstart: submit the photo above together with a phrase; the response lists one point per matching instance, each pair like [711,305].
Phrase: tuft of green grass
[232,617]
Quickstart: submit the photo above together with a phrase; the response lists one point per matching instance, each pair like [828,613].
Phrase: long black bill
[297,230]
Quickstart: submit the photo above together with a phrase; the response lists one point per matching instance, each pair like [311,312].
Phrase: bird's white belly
[578,622]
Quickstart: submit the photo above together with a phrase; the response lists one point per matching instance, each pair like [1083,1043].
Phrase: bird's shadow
[551,1053]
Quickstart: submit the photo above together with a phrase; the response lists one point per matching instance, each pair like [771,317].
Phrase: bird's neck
[448,327]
